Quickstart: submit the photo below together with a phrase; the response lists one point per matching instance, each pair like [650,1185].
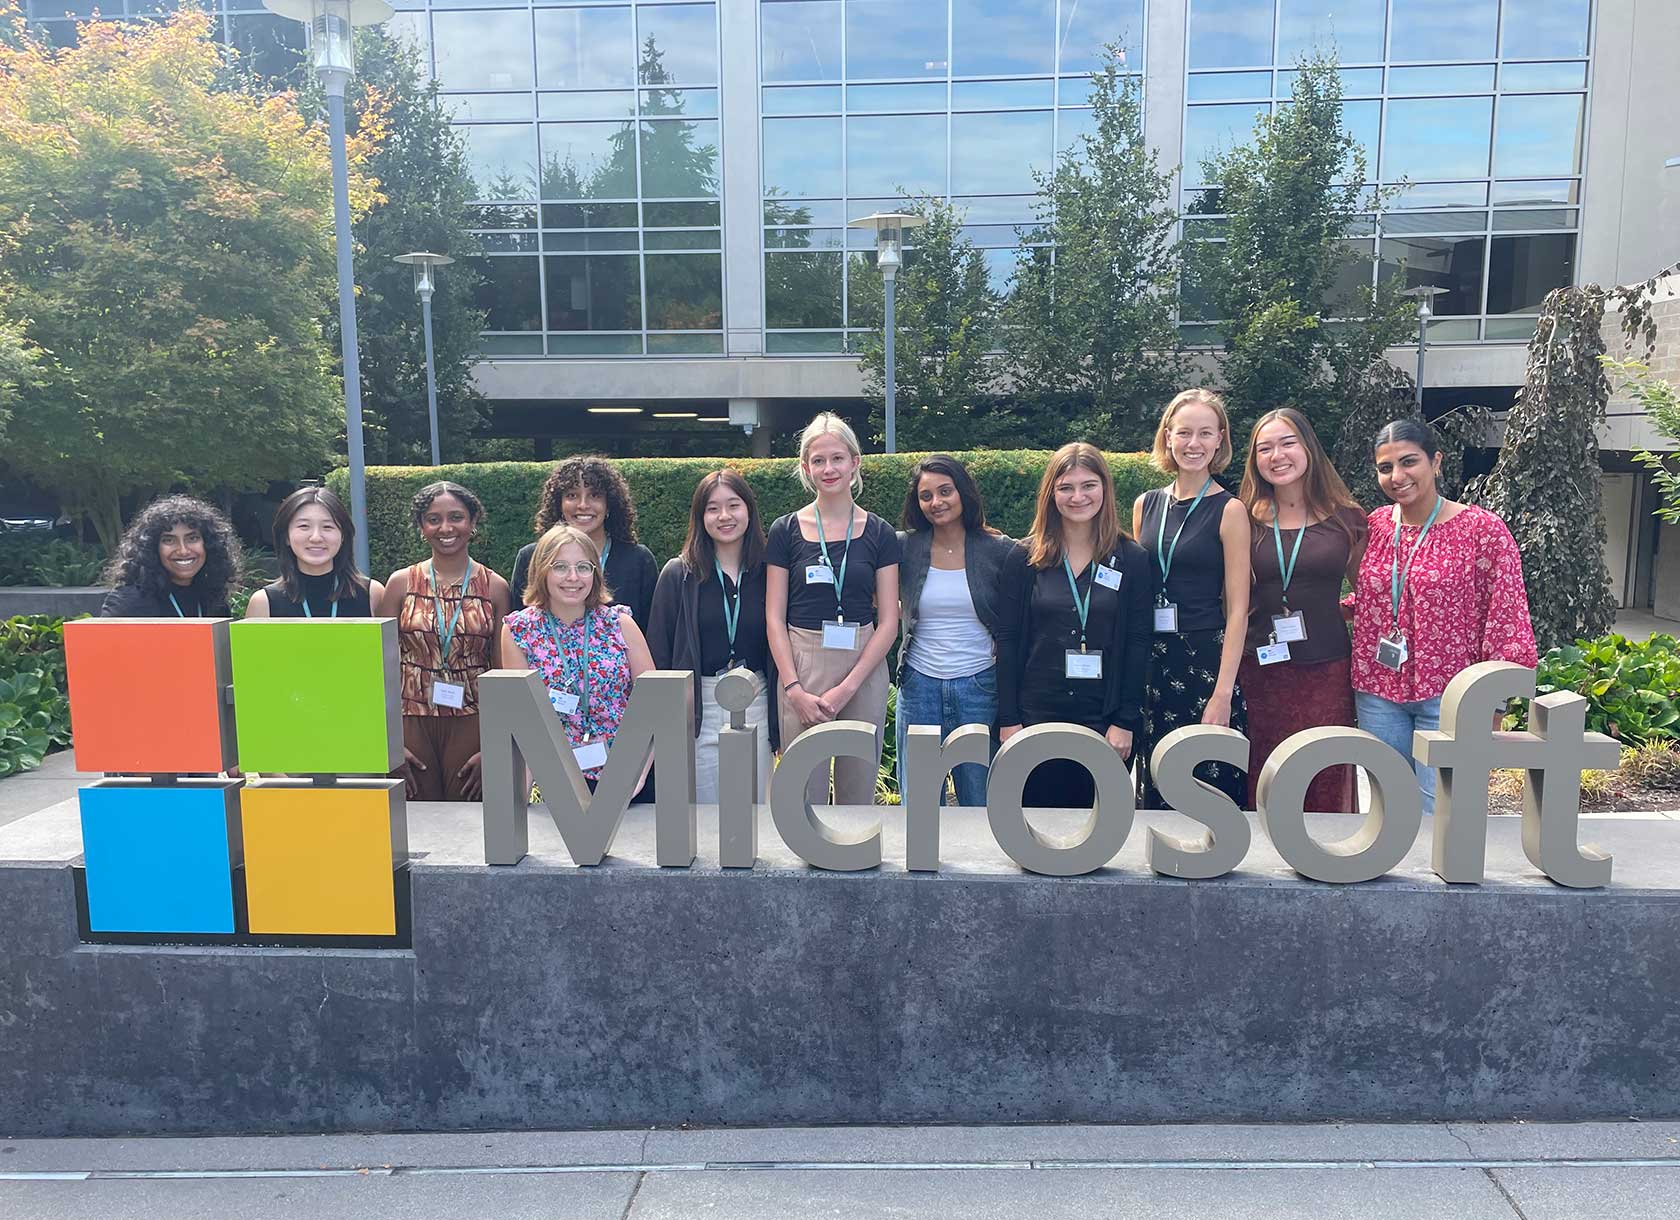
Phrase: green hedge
[662,487]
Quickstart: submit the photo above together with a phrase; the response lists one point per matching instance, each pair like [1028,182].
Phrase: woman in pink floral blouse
[1440,588]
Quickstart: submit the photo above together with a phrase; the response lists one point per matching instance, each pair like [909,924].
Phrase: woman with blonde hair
[831,605]
[1197,535]
[1073,639]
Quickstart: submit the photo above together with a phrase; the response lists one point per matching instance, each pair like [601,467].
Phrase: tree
[945,321]
[172,255]
[1661,401]
[1092,326]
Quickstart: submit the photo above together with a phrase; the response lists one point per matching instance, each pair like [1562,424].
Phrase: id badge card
[1082,664]
[1289,628]
[1274,653]
[448,694]
[1107,577]
[565,702]
[819,574]
[590,755]
[1166,617]
[1391,652]
[840,635]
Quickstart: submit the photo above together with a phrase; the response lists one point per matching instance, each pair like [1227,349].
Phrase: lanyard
[308,613]
[606,553]
[578,678]
[1396,574]
[1084,607]
[731,616]
[446,635]
[180,613]
[840,576]
[1288,569]
[1163,553]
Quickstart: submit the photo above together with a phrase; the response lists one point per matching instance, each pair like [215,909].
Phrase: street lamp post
[424,266]
[1424,294]
[332,25]
[889,256]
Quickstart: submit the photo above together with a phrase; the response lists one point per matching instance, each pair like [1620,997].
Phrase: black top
[752,645]
[674,633]
[810,606]
[1196,584]
[1040,623]
[128,601]
[631,574]
[318,595]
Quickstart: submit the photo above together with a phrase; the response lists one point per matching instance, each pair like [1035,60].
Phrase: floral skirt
[1183,670]
[1283,700]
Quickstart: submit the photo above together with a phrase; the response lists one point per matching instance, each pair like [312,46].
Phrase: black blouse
[752,645]
[1040,623]
[127,601]
[318,596]
[1196,584]
[876,546]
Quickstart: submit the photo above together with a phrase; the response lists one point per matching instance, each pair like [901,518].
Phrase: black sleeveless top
[1196,583]
[318,593]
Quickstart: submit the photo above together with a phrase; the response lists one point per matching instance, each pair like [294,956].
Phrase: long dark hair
[347,582]
[596,474]
[973,508]
[1325,494]
[698,550]
[136,562]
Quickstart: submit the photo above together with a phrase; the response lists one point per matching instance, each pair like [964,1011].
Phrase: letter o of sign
[1104,832]
[1383,838]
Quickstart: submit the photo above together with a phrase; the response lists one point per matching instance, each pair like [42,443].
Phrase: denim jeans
[1392,723]
[949,703]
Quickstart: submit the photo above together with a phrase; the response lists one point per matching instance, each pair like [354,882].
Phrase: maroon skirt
[1284,699]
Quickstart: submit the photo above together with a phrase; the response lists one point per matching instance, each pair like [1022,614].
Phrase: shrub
[1652,764]
[1632,689]
[34,709]
[67,564]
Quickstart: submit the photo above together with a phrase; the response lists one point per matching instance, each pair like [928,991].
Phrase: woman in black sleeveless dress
[314,541]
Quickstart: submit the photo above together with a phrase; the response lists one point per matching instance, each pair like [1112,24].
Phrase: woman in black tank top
[314,540]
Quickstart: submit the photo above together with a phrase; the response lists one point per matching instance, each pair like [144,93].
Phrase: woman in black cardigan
[179,558]
[708,617]
[1074,642]
[590,494]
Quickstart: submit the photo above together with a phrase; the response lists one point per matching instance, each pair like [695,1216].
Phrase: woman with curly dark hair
[178,559]
[588,493]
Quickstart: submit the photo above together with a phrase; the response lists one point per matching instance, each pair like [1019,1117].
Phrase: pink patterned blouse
[537,633]
[1463,602]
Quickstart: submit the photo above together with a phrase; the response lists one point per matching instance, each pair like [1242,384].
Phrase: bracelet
[790,685]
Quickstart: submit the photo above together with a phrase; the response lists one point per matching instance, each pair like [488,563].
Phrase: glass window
[510,345]
[680,215]
[1230,33]
[1522,270]
[831,213]
[1510,328]
[502,216]
[1000,271]
[1228,86]
[803,157]
[800,40]
[619,103]
[1441,195]
[802,290]
[683,239]
[685,345]
[1437,138]
[804,343]
[1354,270]
[684,291]
[890,156]
[588,160]
[1519,78]
[582,48]
[594,291]
[1002,94]
[1090,25]
[483,50]
[589,216]
[795,99]
[1450,263]
[1006,37]
[1538,218]
[1534,29]
[997,154]
[508,293]
[998,210]
[1395,224]
[1468,78]
[1213,129]
[501,161]
[412,29]
[1356,82]
[679,159]
[804,239]
[1563,190]
[1454,330]
[554,242]
[1443,29]
[1363,121]
[584,344]
[1539,136]
[267,44]
[487,107]
[508,243]
[1352,28]
[691,103]
[888,38]
[883,99]
[1072,126]
[676,44]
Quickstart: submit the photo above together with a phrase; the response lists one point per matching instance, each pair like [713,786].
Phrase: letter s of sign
[1222,846]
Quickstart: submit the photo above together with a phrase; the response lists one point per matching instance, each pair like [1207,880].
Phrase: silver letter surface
[808,836]
[1388,830]
[738,772]
[927,762]
[1104,832]
[1222,846]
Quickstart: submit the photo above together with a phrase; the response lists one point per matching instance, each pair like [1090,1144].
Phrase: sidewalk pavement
[1466,1171]
[55,780]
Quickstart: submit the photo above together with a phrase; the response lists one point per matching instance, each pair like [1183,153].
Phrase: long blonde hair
[828,424]
[1044,540]
[542,559]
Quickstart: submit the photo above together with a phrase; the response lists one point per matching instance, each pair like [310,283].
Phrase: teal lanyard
[180,613]
[1396,574]
[1164,553]
[1288,569]
[840,576]
[446,635]
[731,616]
[606,553]
[575,677]
[308,613]
[1083,606]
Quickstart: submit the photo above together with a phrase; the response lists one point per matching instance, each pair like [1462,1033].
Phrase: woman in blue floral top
[587,650]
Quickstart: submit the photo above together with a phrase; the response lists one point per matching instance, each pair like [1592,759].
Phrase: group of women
[1216,608]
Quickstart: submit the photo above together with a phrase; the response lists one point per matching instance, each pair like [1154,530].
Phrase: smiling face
[1279,455]
[571,579]
[584,509]
[446,526]
[181,551]
[314,538]
[726,515]
[830,465]
[1079,495]
[940,502]
[1194,437]
[1407,474]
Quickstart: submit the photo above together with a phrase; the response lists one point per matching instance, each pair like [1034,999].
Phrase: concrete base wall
[548,996]
[42,599]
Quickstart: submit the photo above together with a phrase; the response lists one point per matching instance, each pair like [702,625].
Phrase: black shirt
[809,606]
[129,601]
[318,595]
[1196,584]
[752,645]
[631,574]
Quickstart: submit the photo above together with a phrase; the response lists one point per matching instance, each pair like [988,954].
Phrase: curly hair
[596,474]
[136,561]
[431,491]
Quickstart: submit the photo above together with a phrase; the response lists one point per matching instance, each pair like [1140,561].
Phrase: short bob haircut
[699,552]
[828,424]
[973,508]
[1161,454]
[1044,540]
[347,582]
[137,562]
[592,473]
[543,558]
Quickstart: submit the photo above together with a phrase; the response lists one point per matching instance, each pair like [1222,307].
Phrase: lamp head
[889,237]
[332,25]
[425,267]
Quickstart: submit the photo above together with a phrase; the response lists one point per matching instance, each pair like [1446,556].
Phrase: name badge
[840,635]
[565,702]
[1107,577]
[1083,664]
[1166,617]
[590,755]
[819,574]
[448,694]
[1289,628]
[1273,654]
[1391,652]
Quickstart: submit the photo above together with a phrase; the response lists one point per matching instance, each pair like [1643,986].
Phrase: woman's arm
[874,652]
[1236,537]
[389,604]
[376,592]
[1137,518]
[257,607]
[513,656]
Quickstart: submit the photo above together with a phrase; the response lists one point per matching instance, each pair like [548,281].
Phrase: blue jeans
[1392,723]
[949,703]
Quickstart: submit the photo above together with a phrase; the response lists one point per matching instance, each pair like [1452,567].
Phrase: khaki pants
[818,669]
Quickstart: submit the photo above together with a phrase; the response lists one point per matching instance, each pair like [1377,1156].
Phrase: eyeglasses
[567,569]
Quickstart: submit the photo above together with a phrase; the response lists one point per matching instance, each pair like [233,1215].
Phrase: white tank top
[949,640]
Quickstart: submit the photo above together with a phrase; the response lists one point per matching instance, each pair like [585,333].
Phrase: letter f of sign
[1466,750]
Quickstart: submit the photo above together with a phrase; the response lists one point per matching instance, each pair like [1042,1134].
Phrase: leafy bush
[886,781]
[1632,689]
[34,709]
[68,564]
[20,549]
